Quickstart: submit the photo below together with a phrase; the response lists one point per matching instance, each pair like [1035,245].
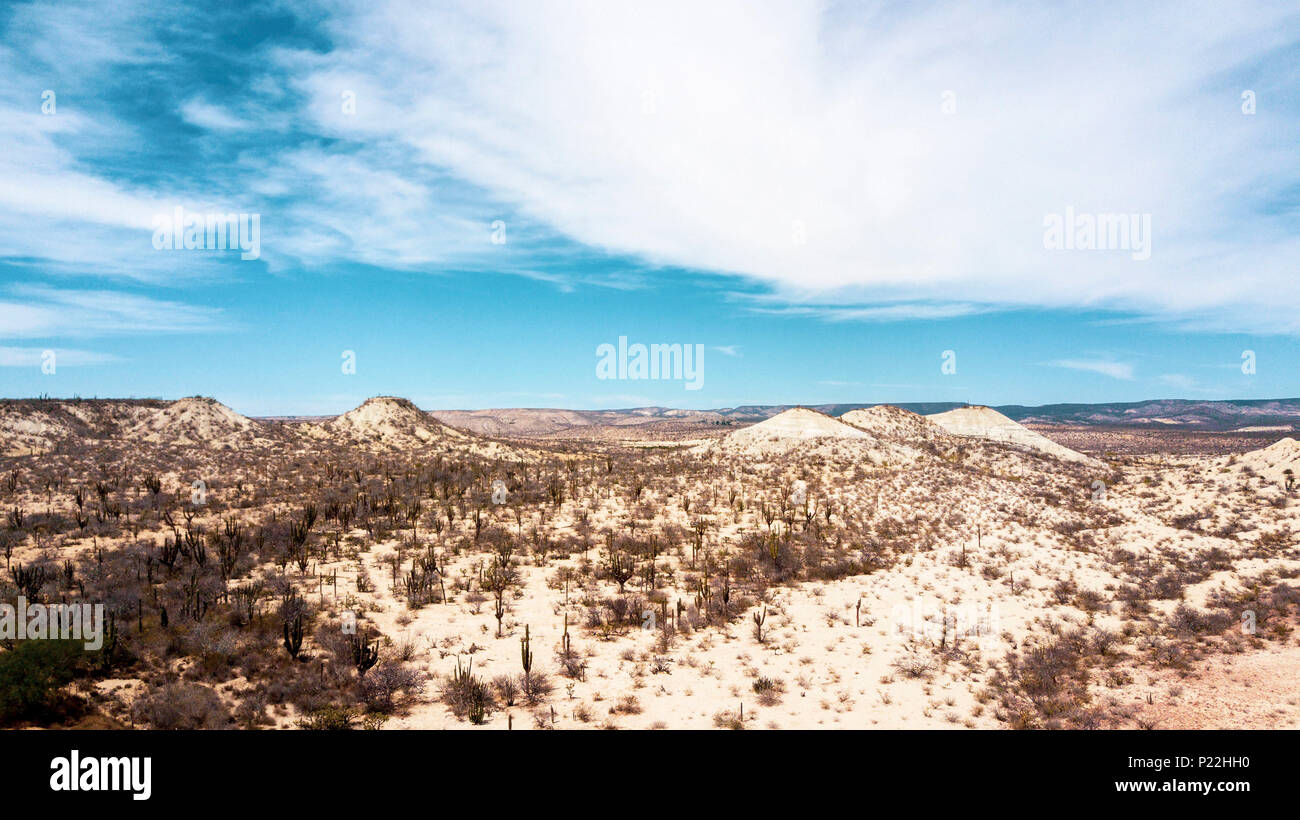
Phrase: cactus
[168,552]
[759,618]
[109,648]
[292,635]
[364,654]
[621,569]
[500,609]
[526,651]
[29,579]
[470,693]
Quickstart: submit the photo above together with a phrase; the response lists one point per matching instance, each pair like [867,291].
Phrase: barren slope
[987,423]
[391,422]
[887,420]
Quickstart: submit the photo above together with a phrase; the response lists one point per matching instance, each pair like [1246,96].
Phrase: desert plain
[399,569]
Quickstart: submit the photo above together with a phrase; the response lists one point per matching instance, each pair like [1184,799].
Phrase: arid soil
[1101,441]
[876,571]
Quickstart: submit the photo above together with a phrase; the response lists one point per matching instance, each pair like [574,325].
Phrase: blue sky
[472,197]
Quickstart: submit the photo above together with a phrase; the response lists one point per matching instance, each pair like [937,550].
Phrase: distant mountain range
[37,425]
[1203,415]
[1212,416]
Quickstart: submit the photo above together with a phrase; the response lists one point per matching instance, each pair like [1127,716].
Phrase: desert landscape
[923,372]
[774,568]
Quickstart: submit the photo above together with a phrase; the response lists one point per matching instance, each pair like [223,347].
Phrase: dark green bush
[33,673]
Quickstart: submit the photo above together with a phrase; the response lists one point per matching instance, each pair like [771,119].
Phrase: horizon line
[627,408]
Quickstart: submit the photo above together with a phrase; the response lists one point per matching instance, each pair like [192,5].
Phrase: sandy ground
[1257,689]
[1009,544]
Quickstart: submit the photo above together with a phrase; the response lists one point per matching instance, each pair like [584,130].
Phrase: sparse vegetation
[325,573]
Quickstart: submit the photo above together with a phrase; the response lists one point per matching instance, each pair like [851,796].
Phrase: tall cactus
[109,649]
[759,618]
[364,654]
[293,635]
[29,579]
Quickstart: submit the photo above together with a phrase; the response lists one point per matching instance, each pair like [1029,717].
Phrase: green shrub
[33,673]
[340,718]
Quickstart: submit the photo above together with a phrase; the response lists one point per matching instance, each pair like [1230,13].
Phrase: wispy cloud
[805,147]
[668,142]
[203,114]
[727,350]
[1116,370]
[48,312]
[874,313]
[63,357]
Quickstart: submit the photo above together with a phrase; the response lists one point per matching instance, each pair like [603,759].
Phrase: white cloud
[64,357]
[868,313]
[67,198]
[208,116]
[727,350]
[53,209]
[78,38]
[1116,370]
[804,145]
[47,312]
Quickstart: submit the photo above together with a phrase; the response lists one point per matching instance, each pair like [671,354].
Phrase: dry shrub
[182,706]
[626,705]
[381,687]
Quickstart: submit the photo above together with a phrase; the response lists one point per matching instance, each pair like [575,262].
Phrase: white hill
[887,420]
[1273,460]
[805,432]
[195,421]
[988,424]
[392,422]
[44,425]
[798,424]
